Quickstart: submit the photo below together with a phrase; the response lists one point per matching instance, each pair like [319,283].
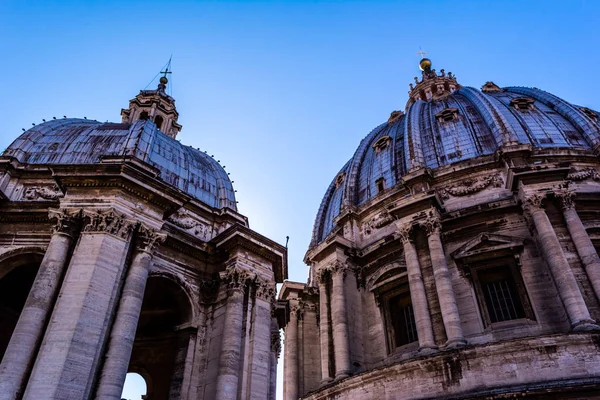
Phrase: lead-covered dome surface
[81,141]
[458,125]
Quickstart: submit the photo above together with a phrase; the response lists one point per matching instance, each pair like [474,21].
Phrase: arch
[144,115]
[132,386]
[22,255]
[158,120]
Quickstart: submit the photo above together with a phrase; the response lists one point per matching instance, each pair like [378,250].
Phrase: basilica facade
[455,254]
[122,250]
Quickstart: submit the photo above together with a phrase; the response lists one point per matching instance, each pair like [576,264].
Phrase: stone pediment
[488,245]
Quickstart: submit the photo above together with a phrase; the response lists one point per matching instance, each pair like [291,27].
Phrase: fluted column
[416,286]
[585,248]
[291,355]
[229,362]
[443,282]
[70,354]
[568,289]
[122,335]
[27,335]
[340,321]
[324,322]
[261,339]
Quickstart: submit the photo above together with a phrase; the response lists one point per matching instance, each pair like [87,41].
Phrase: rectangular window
[403,320]
[500,294]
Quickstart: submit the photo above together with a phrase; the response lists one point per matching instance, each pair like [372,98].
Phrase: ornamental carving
[338,267]
[297,310]
[265,290]
[236,278]
[109,222]
[43,192]
[322,275]
[378,221]
[404,232]
[65,223]
[566,198]
[583,174]
[431,224]
[533,202]
[148,239]
[276,343]
[183,219]
[209,288]
[470,186]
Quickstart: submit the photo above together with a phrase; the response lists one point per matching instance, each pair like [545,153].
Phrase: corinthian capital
[237,278]
[566,198]
[148,239]
[432,223]
[339,267]
[533,202]
[404,232]
[67,223]
[265,290]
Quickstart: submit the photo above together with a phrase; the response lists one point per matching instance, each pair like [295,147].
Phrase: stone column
[122,335]
[291,358]
[184,360]
[340,320]
[568,289]
[585,248]
[229,362]
[70,354]
[443,282]
[275,350]
[417,291]
[261,339]
[323,276]
[20,353]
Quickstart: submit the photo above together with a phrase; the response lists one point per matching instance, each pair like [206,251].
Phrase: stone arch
[147,379]
[13,258]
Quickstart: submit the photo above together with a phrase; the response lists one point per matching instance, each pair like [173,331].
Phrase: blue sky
[282,92]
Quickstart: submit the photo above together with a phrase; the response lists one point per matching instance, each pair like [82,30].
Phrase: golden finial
[425,63]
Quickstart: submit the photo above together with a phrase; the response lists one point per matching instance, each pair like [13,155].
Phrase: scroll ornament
[378,221]
[44,192]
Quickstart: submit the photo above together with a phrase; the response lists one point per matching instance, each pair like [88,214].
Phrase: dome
[81,141]
[445,124]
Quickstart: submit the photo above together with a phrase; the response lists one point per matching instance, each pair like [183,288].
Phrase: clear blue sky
[282,92]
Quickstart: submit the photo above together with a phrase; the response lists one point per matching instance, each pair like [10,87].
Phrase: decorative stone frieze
[43,192]
[148,239]
[67,223]
[583,174]
[378,221]
[184,220]
[470,186]
[109,222]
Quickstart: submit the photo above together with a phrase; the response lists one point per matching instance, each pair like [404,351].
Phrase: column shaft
[229,361]
[445,291]
[261,349]
[585,248]
[123,331]
[291,359]
[324,330]
[340,325]
[27,335]
[418,296]
[564,278]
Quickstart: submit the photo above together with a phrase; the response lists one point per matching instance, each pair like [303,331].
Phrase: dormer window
[382,143]
[589,113]
[340,179]
[380,183]
[447,115]
[395,116]
[522,103]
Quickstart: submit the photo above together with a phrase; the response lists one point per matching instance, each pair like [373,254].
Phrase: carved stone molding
[533,202]
[432,224]
[67,223]
[339,267]
[184,220]
[297,310]
[109,222]
[378,221]
[43,192]
[148,239]
[322,275]
[470,186]
[566,198]
[276,343]
[404,232]
[583,174]
[209,288]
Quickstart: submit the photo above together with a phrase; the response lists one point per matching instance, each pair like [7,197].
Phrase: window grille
[502,300]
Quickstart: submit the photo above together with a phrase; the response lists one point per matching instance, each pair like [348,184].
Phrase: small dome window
[380,183]
[447,115]
[144,115]
[382,143]
[339,180]
[158,120]
[522,103]
[394,116]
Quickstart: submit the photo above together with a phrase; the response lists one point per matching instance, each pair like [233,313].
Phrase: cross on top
[166,71]
[421,52]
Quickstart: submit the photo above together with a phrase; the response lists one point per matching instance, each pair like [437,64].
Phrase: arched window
[158,120]
[135,387]
[144,115]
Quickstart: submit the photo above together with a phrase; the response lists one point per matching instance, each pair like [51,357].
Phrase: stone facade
[108,268]
[450,279]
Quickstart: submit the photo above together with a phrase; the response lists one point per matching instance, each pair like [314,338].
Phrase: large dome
[81,141]
[445,124]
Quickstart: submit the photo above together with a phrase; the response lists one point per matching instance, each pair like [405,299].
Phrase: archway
[160,341]
[135,387]
[16,277]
